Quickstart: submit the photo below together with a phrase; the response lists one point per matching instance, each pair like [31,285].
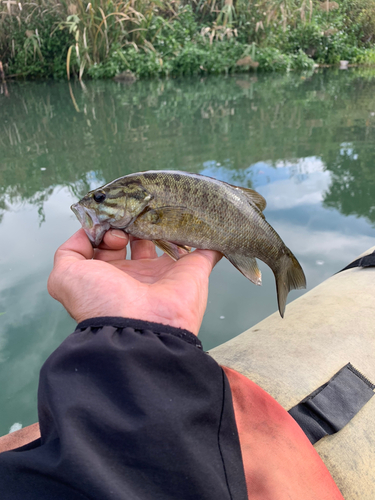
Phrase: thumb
[77,248]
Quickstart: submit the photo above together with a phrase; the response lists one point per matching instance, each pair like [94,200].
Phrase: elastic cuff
[138,324]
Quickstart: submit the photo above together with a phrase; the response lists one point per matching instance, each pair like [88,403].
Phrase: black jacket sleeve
[129,410]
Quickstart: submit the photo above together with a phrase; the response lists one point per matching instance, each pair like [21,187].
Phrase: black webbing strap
[365,261]
[330,407]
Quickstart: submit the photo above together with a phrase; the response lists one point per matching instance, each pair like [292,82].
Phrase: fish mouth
[91,224]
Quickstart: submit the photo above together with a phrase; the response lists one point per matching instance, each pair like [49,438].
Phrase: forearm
[136,409]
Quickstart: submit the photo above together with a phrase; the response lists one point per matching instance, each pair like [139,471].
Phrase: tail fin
[289,276]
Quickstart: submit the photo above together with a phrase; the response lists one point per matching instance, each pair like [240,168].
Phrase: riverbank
[103,38]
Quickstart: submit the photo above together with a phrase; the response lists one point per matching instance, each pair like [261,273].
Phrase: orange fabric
[280,462]
[19,438]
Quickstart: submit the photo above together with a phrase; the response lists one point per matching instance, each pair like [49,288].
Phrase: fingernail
[118,234]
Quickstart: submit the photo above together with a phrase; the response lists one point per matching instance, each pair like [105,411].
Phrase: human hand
[100,282]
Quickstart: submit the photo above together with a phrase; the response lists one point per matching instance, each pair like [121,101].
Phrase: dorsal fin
[254,197]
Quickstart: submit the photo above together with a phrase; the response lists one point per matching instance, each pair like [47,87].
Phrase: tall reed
[97,26]
[61,37]
[94,27]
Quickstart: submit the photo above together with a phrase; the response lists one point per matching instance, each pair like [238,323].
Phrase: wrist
[120,322]
[175,320]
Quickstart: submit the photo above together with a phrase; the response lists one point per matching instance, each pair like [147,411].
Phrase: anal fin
[247,266]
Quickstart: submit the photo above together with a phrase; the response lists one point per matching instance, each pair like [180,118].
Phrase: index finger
[204,258]
[113,246]
[142,249]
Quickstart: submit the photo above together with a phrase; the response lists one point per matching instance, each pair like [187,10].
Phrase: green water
[305,142]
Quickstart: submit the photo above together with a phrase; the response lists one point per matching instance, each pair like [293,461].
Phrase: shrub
[29,46]
[360,19]
[101,38]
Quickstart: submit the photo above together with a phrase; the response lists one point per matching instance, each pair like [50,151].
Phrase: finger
[142,249]
[114,239]
[206,258]
[113,246]
[77,247]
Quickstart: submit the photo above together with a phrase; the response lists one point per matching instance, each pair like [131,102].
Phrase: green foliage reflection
[352,191]
[236,121]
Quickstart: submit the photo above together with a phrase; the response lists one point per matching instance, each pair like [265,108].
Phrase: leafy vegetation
[102,38]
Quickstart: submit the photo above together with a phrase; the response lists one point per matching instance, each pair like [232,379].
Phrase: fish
[180,210]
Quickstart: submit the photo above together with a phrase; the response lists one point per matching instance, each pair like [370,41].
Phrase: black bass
[181,210]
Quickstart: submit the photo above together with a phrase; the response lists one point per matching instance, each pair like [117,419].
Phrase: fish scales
[187,190]
[177,209]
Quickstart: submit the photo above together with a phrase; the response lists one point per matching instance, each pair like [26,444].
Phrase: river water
[305,142]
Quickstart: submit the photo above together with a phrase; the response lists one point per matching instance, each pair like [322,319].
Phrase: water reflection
[305,143]
[177,124]
[352,190]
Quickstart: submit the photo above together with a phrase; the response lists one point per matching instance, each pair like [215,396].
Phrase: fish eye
[99,197]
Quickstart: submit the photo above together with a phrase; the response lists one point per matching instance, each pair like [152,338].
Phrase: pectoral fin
[174,217]
[247,266]
[171,249]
